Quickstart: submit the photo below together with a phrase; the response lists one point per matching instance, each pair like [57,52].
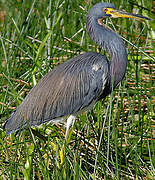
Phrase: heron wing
[67,89]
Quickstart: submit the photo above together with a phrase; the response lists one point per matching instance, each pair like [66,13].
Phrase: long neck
[113,44]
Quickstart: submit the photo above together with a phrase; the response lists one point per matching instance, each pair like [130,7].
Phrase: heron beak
[115,13]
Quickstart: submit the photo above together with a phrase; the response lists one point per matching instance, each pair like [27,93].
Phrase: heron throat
[113,44]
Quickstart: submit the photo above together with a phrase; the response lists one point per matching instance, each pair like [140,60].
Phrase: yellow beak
[115,13]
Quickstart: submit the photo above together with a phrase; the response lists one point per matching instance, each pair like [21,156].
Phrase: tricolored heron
[76,85]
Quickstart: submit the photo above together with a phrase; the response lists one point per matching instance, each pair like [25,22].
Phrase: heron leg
[70,122]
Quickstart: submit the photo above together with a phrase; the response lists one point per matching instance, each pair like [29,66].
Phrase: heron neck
[113,44]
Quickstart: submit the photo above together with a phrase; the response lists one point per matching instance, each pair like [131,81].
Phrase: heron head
[105,10]
[97,10]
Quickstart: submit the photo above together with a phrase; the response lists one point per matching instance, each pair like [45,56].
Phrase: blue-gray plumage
[79,83]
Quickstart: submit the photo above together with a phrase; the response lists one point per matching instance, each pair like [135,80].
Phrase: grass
[113,141]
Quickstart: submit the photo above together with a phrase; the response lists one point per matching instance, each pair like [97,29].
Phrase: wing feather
[67,89]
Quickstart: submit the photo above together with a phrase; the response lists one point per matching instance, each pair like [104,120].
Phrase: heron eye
[105,9]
